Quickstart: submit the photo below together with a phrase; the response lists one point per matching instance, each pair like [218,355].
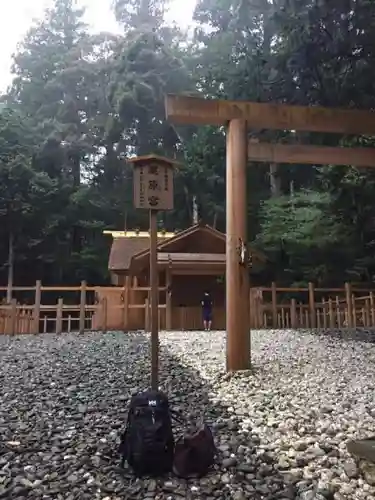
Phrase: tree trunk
[10,267]
[195,211]
[275,180]
[215,220]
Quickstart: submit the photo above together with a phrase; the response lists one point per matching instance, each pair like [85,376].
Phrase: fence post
[330,311]
[301,316]
[59,315]
[168,300]
[293,313]
[312,306]
[104,314]
[82,307]
[367,313]
[372,311]
[13,316]
[147,314]
[349,312]
[274,305]
[37,303]
[125,319]
[354,312]
[325,313]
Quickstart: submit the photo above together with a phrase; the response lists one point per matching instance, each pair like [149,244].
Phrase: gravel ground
[281,430]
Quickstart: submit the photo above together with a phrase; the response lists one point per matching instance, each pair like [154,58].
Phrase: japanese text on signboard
[153,187]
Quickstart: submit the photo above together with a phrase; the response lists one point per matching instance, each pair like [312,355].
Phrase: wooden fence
[42,309]
[311,307]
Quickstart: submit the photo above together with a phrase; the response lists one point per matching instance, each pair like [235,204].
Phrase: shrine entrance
[238,116]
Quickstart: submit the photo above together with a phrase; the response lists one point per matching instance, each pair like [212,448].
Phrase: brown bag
[194,453]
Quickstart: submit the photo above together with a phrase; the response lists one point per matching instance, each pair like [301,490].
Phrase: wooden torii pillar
[238,115]
[237,276]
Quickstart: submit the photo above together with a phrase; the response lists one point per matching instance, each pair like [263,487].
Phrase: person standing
[207,311]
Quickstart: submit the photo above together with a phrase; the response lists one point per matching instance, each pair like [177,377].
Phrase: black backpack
[147,443]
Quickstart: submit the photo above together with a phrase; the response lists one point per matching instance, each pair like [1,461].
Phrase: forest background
[81,103]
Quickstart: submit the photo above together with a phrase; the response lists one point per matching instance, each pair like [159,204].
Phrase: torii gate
[238,116]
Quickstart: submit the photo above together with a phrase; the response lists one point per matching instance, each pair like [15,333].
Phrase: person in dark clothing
[207,311]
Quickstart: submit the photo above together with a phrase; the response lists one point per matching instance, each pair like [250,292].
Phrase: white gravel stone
[281,429]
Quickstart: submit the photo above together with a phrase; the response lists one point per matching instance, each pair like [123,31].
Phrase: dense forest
[80,104]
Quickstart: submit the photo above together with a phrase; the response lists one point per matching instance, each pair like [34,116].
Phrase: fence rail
[345,307]
[270,307]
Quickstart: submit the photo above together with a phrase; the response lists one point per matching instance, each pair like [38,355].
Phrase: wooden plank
[37,303]
[82,307]
[311,155]
[204,271]
[237,276]
[13,317]
[168,300]
[293,313]
[18,288]
[59,316]
[349,305]
[274,305]
[312,306]
[199,111]
[191,257]
[104,312]
[125,318]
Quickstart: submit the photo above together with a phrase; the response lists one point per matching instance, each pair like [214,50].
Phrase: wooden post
[154,300]
[82,307]
[168,300]
[147,315]
[282,317]
[354,312]
[293,313]
[330,310]
[59,315]
[301,318]
[372,310]
[364,315]
[37,302]
[104,314]
[237,279]
[325,313]
[367,313]
[338,312]
[274,304]
[348,295]
[13,316]
[125,319]
[312,306]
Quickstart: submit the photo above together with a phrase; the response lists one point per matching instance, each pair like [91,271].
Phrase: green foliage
[300,233]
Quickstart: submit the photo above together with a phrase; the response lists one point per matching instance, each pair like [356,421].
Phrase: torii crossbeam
[238,116]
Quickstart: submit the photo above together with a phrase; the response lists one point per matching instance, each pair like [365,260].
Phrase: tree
[24,193]
[303,239]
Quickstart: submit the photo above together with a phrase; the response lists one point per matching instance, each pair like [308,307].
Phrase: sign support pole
[153,191]
[154,284]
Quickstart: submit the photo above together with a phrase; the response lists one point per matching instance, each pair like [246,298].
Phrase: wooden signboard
[153,190]
[153,185]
